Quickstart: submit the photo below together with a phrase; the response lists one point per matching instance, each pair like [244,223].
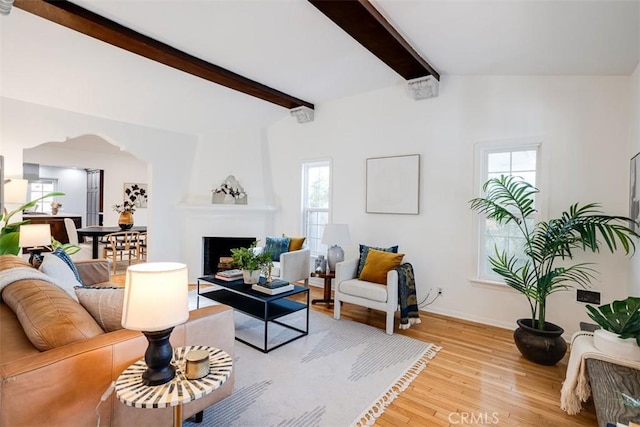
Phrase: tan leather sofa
[62,386]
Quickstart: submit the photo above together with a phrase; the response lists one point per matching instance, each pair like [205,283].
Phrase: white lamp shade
[15,191]
[155,296]
[33,235]
[336,234]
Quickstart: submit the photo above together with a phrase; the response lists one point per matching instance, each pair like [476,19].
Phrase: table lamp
[156,300]
[34,238]
[334,236]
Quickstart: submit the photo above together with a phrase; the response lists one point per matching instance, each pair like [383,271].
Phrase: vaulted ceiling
[291,46]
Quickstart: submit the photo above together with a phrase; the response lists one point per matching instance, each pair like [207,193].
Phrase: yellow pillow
[295,243]
[378,264]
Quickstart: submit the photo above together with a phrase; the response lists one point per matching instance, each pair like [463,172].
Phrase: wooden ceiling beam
[86,22]
[362,21]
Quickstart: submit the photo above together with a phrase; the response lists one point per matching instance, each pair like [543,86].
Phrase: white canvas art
[634,192]
[393,184]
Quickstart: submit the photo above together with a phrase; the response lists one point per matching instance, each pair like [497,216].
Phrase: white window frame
[40,206]
[481,152]
[315,247]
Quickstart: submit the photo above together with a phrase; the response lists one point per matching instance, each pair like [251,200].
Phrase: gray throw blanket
[407,297]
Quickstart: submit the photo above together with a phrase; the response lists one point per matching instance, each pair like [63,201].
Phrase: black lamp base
[158,358]
[36,256]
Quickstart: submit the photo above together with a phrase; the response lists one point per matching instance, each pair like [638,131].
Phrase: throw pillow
[378,264]
[276,246]
[104,304]
[295,243]
[48,316]
[60,273]
[364,251]
[67,260]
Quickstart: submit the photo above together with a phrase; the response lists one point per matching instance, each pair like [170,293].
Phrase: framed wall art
[634,192]
[393,185]
[136,194]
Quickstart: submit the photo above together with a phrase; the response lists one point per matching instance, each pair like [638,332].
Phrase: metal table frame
[264,307]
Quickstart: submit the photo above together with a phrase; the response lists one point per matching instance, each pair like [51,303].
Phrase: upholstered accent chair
[351,287]
[291,265]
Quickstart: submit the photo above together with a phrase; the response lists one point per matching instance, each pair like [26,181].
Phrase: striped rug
[343,373]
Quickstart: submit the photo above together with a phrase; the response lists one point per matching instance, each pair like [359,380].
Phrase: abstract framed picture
[634,192]
[137,193]
[393,185]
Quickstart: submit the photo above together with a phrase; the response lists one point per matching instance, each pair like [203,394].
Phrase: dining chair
[142,245]
[85,251]
[122,246]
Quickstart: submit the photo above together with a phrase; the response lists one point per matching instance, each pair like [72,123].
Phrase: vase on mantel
[125,220]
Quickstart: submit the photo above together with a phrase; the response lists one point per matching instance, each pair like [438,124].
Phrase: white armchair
[348,288]
[293,266]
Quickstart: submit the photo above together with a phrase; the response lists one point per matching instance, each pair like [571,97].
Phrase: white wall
[584,125]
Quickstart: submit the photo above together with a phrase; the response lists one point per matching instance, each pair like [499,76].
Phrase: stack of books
[273,288]
[229,275]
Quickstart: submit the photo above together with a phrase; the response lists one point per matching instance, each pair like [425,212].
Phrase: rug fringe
[380,405]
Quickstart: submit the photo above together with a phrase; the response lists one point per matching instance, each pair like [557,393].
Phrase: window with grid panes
[316,192]
[38,189]
[519,160]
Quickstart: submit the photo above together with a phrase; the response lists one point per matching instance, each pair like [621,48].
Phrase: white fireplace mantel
[224,209]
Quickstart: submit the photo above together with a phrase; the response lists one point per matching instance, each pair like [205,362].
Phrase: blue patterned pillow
[276,246]
[364,251]
[64,257]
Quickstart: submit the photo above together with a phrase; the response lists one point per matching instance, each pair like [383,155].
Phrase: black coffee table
[261,306]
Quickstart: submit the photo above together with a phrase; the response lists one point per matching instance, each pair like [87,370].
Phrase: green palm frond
[580,228]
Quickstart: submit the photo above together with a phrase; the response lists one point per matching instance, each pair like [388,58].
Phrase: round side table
[327,287]
[178,391]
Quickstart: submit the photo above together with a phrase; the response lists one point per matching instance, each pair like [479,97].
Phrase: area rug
[343,373]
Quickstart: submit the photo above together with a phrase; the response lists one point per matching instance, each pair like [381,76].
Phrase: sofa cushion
[295,243]
[104,305]
[49,317]
[378,264]
[360,288]
[364,251]
[277,246]
[12,261]
[61,274]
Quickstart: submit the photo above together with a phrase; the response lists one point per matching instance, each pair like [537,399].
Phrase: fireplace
[215,247]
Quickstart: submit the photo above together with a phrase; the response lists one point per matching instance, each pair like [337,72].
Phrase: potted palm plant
[251,262]
[537,275]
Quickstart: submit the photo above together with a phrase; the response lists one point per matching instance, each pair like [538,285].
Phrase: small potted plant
[620,323]
[251,262]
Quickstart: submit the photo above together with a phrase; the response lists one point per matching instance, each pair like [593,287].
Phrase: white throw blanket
[11,275]
[575,388]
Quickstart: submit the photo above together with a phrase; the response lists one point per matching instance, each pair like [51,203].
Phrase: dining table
[97,232]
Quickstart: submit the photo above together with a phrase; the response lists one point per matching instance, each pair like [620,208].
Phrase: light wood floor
[477,379]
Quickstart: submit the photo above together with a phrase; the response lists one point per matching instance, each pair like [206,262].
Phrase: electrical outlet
[439,291]
[591,297]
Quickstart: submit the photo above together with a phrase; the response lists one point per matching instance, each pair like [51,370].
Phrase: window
[518,159]
[41,188]
[316,191]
